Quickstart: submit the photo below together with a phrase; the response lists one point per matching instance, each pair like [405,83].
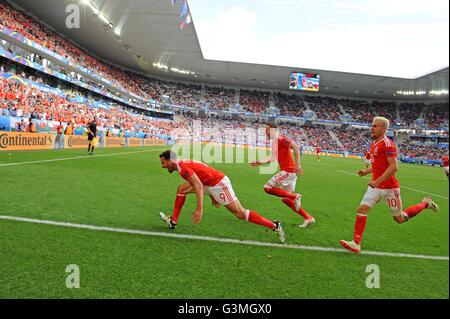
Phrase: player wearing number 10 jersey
[384,185]
[201,178]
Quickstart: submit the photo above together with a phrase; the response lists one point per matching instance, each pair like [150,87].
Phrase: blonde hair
[385,121]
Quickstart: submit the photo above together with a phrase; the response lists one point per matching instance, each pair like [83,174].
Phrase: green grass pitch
[128,191]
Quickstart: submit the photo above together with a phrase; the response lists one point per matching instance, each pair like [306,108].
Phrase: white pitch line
[427,178]
[74,158]
[216,239]
[405,187]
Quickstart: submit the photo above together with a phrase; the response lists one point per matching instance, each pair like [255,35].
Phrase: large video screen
[304,82]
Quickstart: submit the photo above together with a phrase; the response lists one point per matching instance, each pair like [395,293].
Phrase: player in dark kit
[92,136]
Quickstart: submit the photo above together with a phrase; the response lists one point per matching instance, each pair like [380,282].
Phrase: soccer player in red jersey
[445,164]
[384,185]
[283,184]
[201,178]
[318,150]
[368,160]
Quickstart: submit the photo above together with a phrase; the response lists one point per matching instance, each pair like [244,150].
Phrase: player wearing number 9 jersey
[201,178]
[384,185]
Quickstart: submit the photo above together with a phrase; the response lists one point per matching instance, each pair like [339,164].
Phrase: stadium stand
[27,93]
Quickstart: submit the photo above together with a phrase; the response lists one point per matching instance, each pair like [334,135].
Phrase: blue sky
[401,38]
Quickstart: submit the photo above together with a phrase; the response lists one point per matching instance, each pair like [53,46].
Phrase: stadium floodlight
[102,17]
[160,66]
[438,92]
[88,3]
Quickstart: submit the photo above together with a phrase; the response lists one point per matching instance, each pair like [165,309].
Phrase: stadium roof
[147,33]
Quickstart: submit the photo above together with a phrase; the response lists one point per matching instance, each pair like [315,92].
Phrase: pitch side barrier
[15,141]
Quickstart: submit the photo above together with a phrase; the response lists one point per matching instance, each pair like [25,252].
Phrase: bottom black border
[230,308]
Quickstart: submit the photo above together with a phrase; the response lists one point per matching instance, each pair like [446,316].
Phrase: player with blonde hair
[384,185]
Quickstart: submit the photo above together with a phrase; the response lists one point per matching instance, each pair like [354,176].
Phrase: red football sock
[291,205]
[179,202]
[255,218]
[415,210]
[360,225]
[305,214]
[280,193]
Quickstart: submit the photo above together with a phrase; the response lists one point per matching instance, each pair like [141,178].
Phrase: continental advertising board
[12,141]
[75,141]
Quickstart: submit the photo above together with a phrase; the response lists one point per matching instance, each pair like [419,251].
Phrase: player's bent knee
[241,213]
[363,210]
[183,189]
[180,189]
[238,214]
[236,210]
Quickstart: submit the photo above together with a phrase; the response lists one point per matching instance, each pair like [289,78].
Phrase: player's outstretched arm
[258,163]
[198,188]
[298,166]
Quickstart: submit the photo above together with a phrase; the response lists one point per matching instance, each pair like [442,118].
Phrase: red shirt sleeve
[185,171]
[391,151]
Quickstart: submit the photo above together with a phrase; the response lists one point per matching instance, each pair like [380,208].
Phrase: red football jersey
[379,153]
[207,175]
[368,155]
[282,153]
[318,150]
[445,161]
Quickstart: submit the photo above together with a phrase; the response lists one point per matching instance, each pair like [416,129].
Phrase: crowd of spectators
[410,113]
[436,115]
[288,104]
[177,93]
[27,101]
[422,150]
[325,108]
[18,21]
[364,111]
[219,98]
[355,141]
[319,136]
[255,101]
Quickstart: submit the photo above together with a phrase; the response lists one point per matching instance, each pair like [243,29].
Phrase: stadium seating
[27,101]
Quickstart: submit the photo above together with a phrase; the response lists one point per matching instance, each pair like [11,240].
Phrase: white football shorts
[222,192]
[284,180]
[390,196]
